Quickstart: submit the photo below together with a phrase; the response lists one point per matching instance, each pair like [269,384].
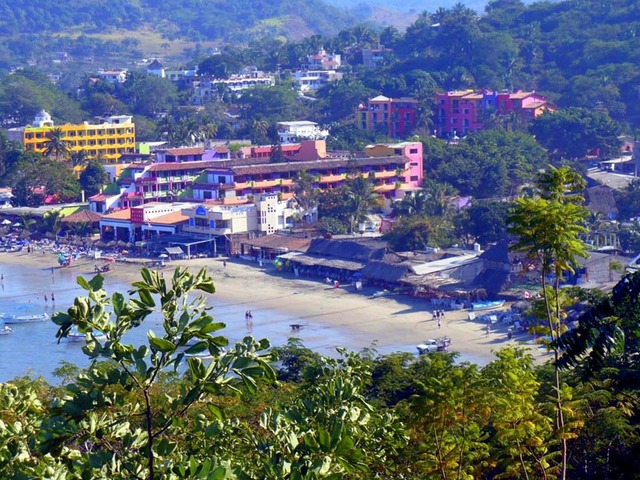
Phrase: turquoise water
[33,349]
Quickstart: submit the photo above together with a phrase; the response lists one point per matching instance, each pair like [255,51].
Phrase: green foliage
[273,104]
[145,439]
[417,233]
[25,93]
[548,230]
[489,164]
[572,133]
[93,178]
[486,221]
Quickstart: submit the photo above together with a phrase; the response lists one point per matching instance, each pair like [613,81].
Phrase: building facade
[464,111]
[266,214]
[107,141]
[396,117]
[391,167]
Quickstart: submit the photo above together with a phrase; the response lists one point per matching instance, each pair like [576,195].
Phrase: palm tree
[207,132]
[306,194]
[260,129]
[57,147]
[362,199]
[78,158]
[27,221]
[52,222]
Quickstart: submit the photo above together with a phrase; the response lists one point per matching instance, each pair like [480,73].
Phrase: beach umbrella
[17,224]
[163,255]
[6,221]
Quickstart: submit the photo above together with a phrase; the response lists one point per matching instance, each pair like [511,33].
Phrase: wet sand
[331,317]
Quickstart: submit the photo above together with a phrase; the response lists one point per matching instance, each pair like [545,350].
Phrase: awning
[174,251]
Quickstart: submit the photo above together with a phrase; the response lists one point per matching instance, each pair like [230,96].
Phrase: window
[413,150]
[414,178]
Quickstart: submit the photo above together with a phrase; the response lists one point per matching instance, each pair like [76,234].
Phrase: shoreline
[388,324]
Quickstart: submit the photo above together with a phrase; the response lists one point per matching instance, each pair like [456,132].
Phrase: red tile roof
[124,214]
[184,151]
[169,219]
[197,165]
[100,197]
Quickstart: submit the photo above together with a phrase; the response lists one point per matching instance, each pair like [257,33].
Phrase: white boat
[12,319]
[76,336]
[487,305]
[5,330]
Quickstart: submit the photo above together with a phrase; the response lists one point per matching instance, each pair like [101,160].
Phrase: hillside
[187,19]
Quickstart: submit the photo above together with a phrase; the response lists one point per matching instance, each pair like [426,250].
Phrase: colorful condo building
[463,111]
[391,168]
[221,199]
[107,141]
[394,116]
[193,174]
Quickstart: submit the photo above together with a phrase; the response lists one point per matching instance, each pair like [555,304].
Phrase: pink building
[460,112]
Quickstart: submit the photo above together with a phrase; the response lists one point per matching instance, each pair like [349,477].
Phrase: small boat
[76,336]
[5,330]
[12,319]
[487,305]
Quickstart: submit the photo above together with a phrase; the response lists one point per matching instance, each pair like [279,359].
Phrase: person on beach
[45,298]
[439,322]
[53,297]
[224,264]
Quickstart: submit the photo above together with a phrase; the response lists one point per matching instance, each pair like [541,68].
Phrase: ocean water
[33,349]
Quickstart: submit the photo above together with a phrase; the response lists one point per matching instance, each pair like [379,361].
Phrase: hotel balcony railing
[384,188]
[386,174]
[332,178]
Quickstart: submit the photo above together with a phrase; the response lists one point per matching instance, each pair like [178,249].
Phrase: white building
[293,132]
[113,76]
[266,214]
[324,61]
[312,80]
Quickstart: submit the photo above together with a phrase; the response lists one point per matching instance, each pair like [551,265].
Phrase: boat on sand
[492,305]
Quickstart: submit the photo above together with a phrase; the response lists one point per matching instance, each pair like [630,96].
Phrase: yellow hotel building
[106,141]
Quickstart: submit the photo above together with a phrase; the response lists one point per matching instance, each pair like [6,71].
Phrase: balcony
[332,178]
[384,188]
[265,183]
[386,174]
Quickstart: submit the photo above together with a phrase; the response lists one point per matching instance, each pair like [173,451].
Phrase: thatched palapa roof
[83,216]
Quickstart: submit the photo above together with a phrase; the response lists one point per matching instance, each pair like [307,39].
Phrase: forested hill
[191,19]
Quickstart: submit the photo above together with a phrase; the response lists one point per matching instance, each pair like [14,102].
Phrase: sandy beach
[388,324]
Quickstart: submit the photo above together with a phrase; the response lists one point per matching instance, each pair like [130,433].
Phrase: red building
[460,112]
[394,116]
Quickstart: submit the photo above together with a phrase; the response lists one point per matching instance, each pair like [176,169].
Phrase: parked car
[434,345]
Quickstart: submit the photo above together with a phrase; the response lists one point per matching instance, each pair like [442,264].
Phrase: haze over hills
[408,6]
